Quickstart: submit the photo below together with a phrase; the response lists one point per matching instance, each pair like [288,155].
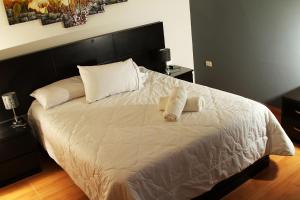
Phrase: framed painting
[107,2]
[70,12]
[20,11]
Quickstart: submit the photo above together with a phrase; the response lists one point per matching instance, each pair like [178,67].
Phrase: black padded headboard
[26,73]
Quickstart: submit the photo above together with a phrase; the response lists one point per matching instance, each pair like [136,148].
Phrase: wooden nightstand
[290,115]
[19,155]
[182,73]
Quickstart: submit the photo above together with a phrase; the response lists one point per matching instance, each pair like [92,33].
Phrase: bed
[121,148]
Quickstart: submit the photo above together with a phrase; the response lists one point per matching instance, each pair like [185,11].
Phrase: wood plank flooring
[51,183]
[280,181]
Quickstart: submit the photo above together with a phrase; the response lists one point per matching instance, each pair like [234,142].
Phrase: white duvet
[121,148]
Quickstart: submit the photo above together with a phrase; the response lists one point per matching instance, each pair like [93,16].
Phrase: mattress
[120,148]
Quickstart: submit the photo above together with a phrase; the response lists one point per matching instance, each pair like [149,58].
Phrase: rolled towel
[193,104]
[175,104]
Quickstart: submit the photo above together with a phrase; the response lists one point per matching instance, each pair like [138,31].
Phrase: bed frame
[26,73]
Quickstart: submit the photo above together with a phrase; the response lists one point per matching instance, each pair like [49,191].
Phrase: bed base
[228,185]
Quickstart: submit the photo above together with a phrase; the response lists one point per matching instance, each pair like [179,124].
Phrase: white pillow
[104,80]
[59,92]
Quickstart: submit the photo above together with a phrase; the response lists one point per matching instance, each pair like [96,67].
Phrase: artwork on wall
[107,2]
[70,12]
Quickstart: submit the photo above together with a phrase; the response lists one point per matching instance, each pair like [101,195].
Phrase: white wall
[32,36]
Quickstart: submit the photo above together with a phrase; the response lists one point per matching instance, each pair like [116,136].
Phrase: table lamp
[11,102]
[164,55]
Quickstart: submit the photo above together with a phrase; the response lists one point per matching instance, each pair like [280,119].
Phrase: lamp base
[168,70]
[19,124]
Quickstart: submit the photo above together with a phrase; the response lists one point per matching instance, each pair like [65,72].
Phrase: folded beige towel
[175,104]
[193,104]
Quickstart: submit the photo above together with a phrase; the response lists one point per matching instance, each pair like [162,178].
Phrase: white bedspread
[121,148]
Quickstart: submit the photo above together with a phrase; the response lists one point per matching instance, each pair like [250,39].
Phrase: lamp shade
[164,55]
[10,100]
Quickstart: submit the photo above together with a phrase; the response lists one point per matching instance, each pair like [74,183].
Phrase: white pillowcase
[59,92]
[104,80]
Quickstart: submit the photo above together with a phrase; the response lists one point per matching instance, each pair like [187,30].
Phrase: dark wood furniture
[26,73]
[290,115]
[19,156]
[182,73]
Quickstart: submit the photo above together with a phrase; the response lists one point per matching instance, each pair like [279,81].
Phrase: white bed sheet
[120,148]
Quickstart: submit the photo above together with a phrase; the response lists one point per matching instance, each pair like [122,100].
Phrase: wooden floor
[280,181]
[51,183]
